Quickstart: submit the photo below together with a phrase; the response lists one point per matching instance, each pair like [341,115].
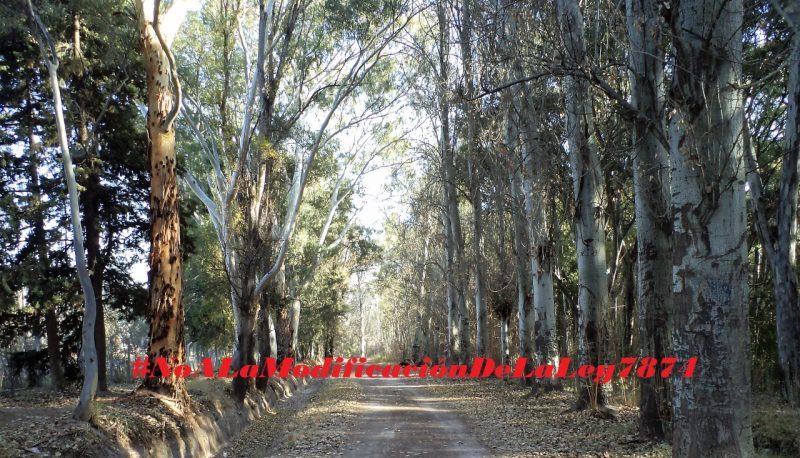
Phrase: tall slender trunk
[54,349]
[362,337]
[651,200]
[587,177]
[91,207]
[282,321]
[473,166]
[421,300]
[244,353]
[535,183]
[504,339]
[521,242]
[85,409]
[166,261]
[90,200]
[265,348]
[711,414]
[457,312]
[477,237]
[452,329]
[294,317]
[521,246]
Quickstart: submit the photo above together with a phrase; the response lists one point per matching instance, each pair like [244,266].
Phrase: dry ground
[357,417]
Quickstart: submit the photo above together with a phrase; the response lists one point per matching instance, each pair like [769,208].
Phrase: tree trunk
[504,340]
[711,410]
[294,325]
[280,304]
[541,255]
[456,235]
[651,201]
[473,166]
[452,332]
[457,310]
[265,348]
[362,338]
[54,349]
[477,237]
[91,207]
[90,200]
[244,352]
[588,192]
[166,264]
[521,244]
[85,409]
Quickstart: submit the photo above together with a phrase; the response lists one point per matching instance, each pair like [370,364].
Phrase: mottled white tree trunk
[521,246]
[473,161]
[651,201]
[710,321]
[458,316]
[85,408]
[536,165]
[587,180]
[504,340]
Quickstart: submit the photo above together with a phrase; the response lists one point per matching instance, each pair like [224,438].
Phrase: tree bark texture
[711,415]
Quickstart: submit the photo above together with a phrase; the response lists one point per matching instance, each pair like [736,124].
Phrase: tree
[589,197]
[85,409]
[470,109]
[166,259]
[652,199]
[256,186]
[712,411]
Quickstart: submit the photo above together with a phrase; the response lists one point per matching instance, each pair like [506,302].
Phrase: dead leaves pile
[306,424]
[514,425]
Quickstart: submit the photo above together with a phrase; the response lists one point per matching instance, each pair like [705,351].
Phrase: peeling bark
[587,177]
[166,262]
[711,414]
[651,201]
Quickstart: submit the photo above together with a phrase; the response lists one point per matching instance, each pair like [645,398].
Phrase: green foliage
[101,82]
[209,317]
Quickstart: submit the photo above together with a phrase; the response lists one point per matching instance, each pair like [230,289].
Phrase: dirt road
[366,418]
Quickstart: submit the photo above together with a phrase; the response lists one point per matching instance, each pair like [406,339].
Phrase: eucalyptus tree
[99,87]
[711,412]
[589,197]
[471,108]
[521,238]
[327,222]
[299,80]
[85,408]
[652,200]
[536,169]
[458,316]
[166,259]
